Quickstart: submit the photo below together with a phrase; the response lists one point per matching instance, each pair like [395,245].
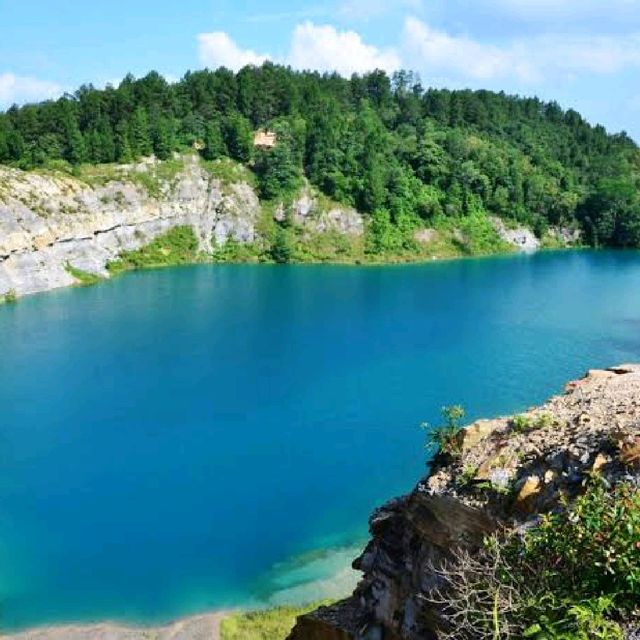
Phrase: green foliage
[268,624]
[467,476]
[408,157]
[229,171]
[573,576]
[521,424]
[83,278]
[524,423]
[611,214]
[281,249]
[583,621]
[445,439]
[9,297]
[236,252]
[590,549]
[238,137]
[278,174]
[214,146]
[177,246]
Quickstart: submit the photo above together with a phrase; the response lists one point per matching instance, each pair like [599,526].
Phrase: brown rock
[529,491]
[600,462]
[473,434]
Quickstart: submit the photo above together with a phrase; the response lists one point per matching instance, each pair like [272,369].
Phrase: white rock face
[49,222]
[307,212]
[522,238]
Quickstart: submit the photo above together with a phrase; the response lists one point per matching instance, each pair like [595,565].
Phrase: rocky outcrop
[307,211]
[522,238]
[49,222]
[506,471]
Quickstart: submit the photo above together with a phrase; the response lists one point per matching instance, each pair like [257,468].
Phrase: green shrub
[590,549]
[574,576]
[9,297]
[269,624]
[177,246]
[83,278]
[444,439]
[521,424]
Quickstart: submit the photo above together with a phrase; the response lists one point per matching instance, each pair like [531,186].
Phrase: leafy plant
[571,577]
[468,474]
[177,246]
[83,278]
[521,424]
[9,297]
[445,438]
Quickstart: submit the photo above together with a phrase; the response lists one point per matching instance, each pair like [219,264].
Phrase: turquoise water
[204,437]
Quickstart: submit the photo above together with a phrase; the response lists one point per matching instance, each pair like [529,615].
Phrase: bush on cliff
[574,576]
[177,246]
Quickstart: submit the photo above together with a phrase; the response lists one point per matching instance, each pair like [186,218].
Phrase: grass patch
[327,246]
[471,235]
[270,624]
[229,171]
[9,297]
[84,278]
[156,178]
[177,246]
[236,252]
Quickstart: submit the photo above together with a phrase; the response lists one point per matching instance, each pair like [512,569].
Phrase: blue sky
[583,53]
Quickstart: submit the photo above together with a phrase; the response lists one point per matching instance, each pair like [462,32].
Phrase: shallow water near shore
[188,439]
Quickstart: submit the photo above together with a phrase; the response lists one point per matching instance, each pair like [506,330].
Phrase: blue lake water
[187,439]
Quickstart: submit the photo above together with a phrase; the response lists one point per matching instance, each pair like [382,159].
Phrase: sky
[585,54]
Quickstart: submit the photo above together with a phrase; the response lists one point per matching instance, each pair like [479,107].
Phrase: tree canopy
[382,144]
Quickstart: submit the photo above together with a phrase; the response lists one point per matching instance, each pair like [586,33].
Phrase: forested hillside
[384,145]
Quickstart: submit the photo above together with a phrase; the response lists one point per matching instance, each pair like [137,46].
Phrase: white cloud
[437,51]
[217,49]
[527,59]
[327,49]
[21,89]
[317,47]
[441,56]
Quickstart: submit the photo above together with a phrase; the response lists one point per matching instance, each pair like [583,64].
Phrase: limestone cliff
[508,471]
[50,221]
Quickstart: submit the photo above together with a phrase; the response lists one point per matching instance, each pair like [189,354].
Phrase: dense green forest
[384,145]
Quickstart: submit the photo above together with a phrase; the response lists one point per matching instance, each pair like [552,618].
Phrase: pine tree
[139,136]
[74,146]
[162,137]
[123,150]
[238,136]
[214,146]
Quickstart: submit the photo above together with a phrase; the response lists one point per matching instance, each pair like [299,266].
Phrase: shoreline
[418,261]
[196,627]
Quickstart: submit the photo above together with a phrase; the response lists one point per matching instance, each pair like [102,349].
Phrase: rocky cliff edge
[508,471]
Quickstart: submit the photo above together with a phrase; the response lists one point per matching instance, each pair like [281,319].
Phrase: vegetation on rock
[9,297]
[177,246]
[408,157]
[268,624]
[573,576]
[83,278]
